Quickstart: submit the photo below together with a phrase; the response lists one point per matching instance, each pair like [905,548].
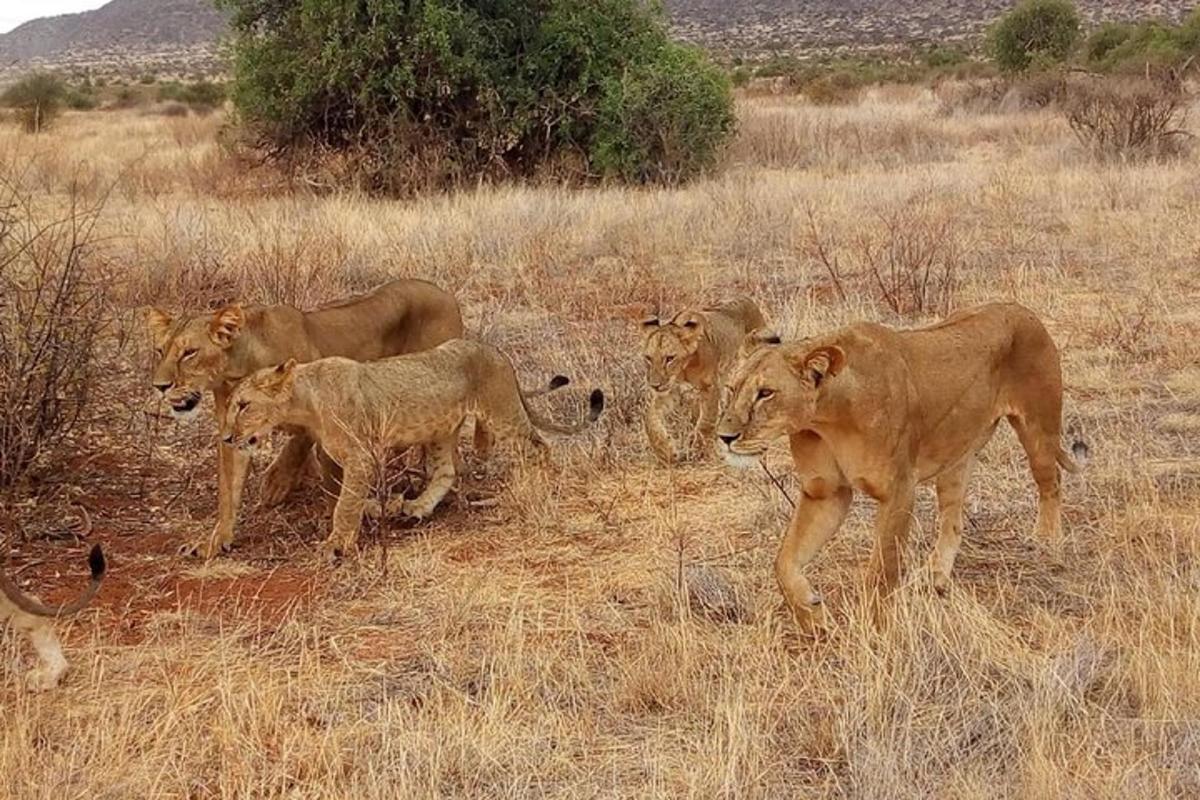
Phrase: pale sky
[14,12]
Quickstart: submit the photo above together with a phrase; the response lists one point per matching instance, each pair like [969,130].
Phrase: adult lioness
[29,615]
[697,347]
[355,411]
[879,410]
[214,351]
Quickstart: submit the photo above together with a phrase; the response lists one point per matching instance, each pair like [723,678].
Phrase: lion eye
[668,359]
[764,394]
[243,405]
[191,351]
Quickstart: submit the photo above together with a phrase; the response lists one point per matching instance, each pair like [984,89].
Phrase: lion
[355,411]
[697,347]
[213,351]
[881,411]
[31,617]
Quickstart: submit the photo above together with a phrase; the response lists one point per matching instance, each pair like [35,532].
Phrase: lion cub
[32,618]
[698,347]
[355,410]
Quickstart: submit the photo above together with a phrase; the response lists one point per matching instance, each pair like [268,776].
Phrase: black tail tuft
[559,381]
[97,563]
[595,404]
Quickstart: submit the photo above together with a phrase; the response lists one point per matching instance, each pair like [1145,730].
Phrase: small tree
[1035,33]
[37,99]
[413,93]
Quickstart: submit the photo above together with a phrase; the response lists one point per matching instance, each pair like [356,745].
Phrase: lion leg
[482,440]
[892,521]
[286,470]
[705,433]
[656,429]
[1042,450]
[52,663]
[441,463]
[348,513]
[822,508]
[951,493]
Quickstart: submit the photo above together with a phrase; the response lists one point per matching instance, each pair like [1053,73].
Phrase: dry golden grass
[540,646]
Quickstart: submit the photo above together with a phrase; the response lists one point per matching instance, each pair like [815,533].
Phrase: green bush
[420,92]
[201,95]
[1116,47]
[662,120]
[37,100]
[1036,33]
[80,98]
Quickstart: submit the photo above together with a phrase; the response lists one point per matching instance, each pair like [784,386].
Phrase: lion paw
[206,548]
[43,679]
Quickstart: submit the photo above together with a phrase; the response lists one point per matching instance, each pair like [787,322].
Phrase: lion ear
[159,323]
[281,378]
[690,323]
[651,323]
[815,366]
[759,337]
[226,325]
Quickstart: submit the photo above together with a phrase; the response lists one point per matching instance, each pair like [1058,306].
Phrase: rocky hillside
[160,32]
[185,31]
[791,25]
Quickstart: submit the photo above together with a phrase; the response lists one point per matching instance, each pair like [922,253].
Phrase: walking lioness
[356,411]
[697,347]
[213,351]
[32,617]
[880,410]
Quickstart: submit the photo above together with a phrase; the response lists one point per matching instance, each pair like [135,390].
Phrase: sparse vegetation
[505,89]
[1132,47]
[202,96]
[51,316]
[1036,33]
[1131,117]
[37,100]
[601,627]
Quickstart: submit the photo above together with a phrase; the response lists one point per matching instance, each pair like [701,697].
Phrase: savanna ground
[540,644]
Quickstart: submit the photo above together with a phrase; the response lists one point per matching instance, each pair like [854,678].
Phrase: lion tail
[595,408]
[30,606]
[1077,459]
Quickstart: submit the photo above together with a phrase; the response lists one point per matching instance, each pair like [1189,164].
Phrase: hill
[182,34]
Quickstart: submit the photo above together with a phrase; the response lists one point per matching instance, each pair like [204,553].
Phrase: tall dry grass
[540,646]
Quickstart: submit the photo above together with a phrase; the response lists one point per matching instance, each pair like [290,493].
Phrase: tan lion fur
[33,618]
[877,410]
[213,351]
[356,411]
[697,347]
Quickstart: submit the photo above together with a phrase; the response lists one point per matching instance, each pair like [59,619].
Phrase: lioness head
[670,347]
[257,405]
[192,354]
[774,393]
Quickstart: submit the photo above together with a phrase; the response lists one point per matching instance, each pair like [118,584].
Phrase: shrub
[51,316]
[201,95]
[1035,33]
[662,120]
[37,100]
[1116,47]
[439,91]
[80,98]
[1129,117]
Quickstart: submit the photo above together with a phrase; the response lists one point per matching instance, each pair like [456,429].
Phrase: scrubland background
[541,636]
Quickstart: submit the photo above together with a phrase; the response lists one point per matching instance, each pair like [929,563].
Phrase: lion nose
[728,438]
[162,387]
